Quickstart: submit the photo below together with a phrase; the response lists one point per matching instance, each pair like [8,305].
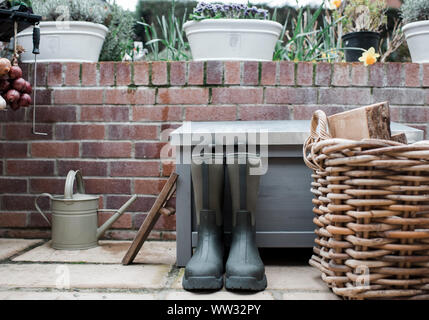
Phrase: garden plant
[313,34]
[121,23]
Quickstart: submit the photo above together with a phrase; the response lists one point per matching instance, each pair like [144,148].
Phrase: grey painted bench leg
[183,214]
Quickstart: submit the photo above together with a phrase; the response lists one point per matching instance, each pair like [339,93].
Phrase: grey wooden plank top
[279,132]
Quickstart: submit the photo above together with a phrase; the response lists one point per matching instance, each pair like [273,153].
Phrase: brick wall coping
[161,73]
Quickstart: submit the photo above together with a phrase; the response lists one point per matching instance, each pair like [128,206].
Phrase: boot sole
[245,283]
[202,283]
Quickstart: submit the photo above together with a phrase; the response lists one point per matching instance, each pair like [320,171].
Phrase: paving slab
[10,247]
[83,276]
[310,296]
[34,295]
[177,283]
[152,252]
[294,278]
[219,295]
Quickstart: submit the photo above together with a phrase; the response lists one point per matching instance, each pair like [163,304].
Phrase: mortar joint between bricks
[223,71]
[331,74]
[264,89]
[104,96]
[313,77]
[205,73]
[80,74]
[241,73]
[295,74]
[384,73]
[291,110]
[168,66]
[63,75]
[97,74]
[186,74]
[210,98]
[420,75]
[149,70]
[133,150]
[367,77]
[132,83]
[131,111]
[349,73]
[402,73]
[277,77]
[156,95]
[317,96]
[115,68]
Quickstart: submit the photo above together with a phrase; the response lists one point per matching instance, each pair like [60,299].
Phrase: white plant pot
[417,35]
[232,39]
[64,41]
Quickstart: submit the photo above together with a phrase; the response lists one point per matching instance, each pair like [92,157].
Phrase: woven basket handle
[318,120]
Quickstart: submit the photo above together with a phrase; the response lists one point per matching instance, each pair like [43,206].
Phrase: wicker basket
[371,210]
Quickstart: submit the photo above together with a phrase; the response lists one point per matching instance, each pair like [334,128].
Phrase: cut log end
[400,137]
[369,122]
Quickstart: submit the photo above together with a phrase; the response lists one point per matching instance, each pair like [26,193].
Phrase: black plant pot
[361,39]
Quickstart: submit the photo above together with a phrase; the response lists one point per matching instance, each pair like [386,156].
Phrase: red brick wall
[108,119]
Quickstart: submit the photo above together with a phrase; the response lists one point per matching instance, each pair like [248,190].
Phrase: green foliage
[415,10]
[165,37]
[120,39]
[19,2]
[71,10]
[149,11]
[362,15]
[309,34]
[169,43]
[310,40]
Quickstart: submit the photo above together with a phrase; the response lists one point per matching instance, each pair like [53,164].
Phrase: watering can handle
[68,189]
[38,208]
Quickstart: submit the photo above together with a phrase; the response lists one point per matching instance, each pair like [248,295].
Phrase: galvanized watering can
[74,216]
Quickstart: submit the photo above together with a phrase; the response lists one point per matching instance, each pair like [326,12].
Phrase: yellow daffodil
[334,4]
[369,57]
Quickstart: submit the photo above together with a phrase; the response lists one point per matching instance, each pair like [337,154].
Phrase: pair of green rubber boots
[244,269]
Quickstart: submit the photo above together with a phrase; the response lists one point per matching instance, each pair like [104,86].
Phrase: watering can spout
[101,230]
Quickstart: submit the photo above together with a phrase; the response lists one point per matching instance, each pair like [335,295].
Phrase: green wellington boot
[244,267]
[205,269]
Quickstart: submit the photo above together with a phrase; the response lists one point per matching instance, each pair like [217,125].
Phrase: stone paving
[31,269]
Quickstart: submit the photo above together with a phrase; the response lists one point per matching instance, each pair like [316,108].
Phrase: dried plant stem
[396,41]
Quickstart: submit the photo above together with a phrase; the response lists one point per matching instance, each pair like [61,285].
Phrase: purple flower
[230,10]
[263,12]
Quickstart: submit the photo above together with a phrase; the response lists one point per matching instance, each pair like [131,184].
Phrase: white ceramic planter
[417,35]
[64,41]
[232,39]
